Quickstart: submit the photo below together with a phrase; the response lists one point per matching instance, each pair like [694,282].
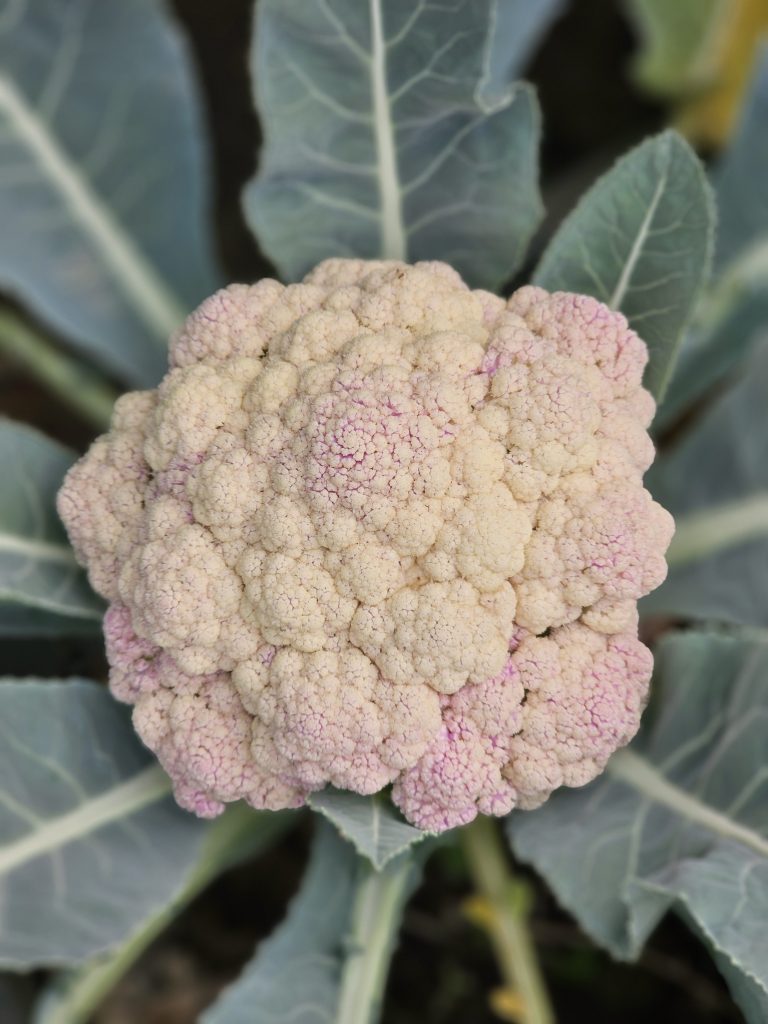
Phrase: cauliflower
[379,529]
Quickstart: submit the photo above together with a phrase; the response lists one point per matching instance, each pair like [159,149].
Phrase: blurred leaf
[708,118]
[19,621]
[91,843]
[715,483]
[393,130]
[740,176]
[681,43]
[640,240]
[698,53]
[680,821]
[734,311]
[102,191]
[239,834]
[370,823]
[327,962]
[38,571]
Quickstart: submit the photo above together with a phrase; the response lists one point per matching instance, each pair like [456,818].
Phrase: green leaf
[681,43]
[38,571]
[370,823]
[715,483]
[732,314]
[91,843]
[640,240]
[680,820]
[239,834]
[102,195]
[393,130]
[327,962]
[740,176]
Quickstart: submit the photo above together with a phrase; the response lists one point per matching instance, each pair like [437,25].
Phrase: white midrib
[154,303]
[40,550]
[146,788]
[622,284]
[643,777]
[393,240]
[701,534]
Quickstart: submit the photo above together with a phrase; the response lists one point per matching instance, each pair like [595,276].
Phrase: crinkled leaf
[370,823]
[91,844]
[680,821]
[103,179]
[340,927]
[715,483]
[39,577]
[681,43]
[640,240]
[394,130]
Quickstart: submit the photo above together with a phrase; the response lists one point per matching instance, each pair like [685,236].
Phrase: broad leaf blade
[640,240]
[681,821]
[740,176]
[715,483]
[392,130]
[72,997]
[102,192]
[371,824]
[731,316]
[90,841]
[326,961]
[38,571]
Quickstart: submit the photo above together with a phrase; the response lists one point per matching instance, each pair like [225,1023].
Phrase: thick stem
[81,388]
[505,902]
[379,900]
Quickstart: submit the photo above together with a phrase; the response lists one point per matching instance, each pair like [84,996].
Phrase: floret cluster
[377,528]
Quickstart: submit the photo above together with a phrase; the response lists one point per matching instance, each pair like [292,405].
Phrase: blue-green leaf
[72,997]
[327,962]
[102,190]
[394,130]
[679,821]
[39,577]
[640,240]
[734,311]
[91,844]
[370,823]
[715,483]
[740,176]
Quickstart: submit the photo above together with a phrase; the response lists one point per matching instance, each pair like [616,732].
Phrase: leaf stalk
[503,912]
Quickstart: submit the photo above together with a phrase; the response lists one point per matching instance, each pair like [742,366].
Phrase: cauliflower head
[376,528]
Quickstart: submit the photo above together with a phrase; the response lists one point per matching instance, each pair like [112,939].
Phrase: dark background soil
[443,969]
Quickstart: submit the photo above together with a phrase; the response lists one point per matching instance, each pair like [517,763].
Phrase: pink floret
[373,529]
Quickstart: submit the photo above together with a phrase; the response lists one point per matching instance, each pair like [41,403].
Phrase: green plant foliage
[394,130]
[715,483]
[102,192]
[740,176]
[42,588]
[327,962]
[730,318]
[370,823]
[91,843]
[241,833]
[680,43]
[680,821]
[640,240]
